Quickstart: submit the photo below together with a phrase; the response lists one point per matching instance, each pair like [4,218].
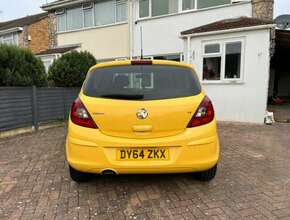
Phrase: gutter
[53,5]
[11,30]
[260,27]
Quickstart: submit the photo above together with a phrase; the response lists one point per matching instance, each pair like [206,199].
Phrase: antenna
[141,33]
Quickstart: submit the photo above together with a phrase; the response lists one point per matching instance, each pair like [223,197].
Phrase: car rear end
[142,117]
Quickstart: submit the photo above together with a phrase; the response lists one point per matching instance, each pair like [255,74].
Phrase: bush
[70,70]
[19,67]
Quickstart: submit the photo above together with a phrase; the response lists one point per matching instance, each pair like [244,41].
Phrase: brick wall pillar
[263,9]
[52,28]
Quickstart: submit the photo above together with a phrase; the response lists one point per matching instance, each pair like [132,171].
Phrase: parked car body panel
[119,129]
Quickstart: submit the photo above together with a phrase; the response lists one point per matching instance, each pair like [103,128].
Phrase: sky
[11,9]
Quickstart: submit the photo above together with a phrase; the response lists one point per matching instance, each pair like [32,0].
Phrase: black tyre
[78,176]
[207,175]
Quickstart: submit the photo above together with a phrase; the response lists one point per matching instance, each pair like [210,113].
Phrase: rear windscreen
[141,82]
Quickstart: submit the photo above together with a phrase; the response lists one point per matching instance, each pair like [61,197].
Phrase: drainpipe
[188,60]
[131,25]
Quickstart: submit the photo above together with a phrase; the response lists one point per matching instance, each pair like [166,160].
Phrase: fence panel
[15,107]
[28,106]
[50,104]
[69,96]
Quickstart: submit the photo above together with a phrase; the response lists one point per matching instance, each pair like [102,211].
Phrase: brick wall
[263,9]
[38,33]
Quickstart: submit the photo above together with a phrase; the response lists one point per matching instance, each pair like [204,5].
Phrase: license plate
[143,154]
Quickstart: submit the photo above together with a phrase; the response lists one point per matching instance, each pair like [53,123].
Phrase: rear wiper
[123,96]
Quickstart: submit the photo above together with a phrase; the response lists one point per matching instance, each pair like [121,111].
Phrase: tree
[70,70]
[19,67]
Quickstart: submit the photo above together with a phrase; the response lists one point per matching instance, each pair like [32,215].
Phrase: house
[100,27]
[232,59]
[33,32]
[29,32]
[51,54]
[233,37]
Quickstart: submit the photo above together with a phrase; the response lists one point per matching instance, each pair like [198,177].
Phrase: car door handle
[142,128]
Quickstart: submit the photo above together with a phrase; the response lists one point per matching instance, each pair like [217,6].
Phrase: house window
[61,20]
[104,13]
[152,8]
[188,4]
[92,14]
[10,39]
[173,57]
[88,14]
[211,3]
[222,60]
[121,10]
[164,7]
[74,19]
[233,60]
[143,8]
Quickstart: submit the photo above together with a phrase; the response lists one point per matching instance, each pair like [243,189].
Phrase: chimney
[263,9]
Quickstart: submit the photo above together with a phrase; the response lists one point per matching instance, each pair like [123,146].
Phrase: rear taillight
[203,115]
[80,116]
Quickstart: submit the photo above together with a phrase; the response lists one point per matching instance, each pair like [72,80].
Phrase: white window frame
[179,9]
[60,12]
[82,17]
[91,7]
[13,37]
[222,54]
[93,3]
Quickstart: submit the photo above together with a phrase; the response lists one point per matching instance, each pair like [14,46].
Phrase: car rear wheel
[207,175]
[78,176]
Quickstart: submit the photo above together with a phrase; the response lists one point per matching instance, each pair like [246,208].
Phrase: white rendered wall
[161,34]
[245,100]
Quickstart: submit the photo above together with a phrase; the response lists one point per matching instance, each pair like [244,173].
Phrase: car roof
[128,62]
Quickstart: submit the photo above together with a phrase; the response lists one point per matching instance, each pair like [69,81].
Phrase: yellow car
[142,116]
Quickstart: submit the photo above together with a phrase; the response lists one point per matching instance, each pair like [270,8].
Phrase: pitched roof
[20,22]
[57,50]
[228,24]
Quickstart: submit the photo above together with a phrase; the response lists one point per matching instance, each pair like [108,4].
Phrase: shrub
[70,70]
[19,67]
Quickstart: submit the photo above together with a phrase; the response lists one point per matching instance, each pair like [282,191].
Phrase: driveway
[253,182]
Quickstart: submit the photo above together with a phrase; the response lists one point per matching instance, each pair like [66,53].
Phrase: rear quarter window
[142,82]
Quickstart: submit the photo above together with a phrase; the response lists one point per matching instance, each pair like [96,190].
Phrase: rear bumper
[196,149]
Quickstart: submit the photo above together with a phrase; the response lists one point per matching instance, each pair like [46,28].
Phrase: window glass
[88,17]
[10,39]
[61,22]
[211,3]
[163,7]
[211,48]
[143,8]
[173,57]
[188,4]
[233,60]
[142,82]
[212,68]
[105,12]
[74,18]
[121,10]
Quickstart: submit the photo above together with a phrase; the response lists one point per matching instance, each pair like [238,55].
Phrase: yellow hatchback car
[142,116]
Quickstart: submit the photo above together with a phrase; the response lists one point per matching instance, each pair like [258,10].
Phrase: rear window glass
[141,82]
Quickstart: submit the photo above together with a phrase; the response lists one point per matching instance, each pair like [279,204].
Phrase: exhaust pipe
[109,173]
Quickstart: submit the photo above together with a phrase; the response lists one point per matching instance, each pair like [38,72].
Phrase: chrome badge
[142,113]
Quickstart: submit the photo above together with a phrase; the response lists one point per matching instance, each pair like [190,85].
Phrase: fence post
[34,108]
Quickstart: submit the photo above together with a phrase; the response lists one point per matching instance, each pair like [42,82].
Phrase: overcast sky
[11,9]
